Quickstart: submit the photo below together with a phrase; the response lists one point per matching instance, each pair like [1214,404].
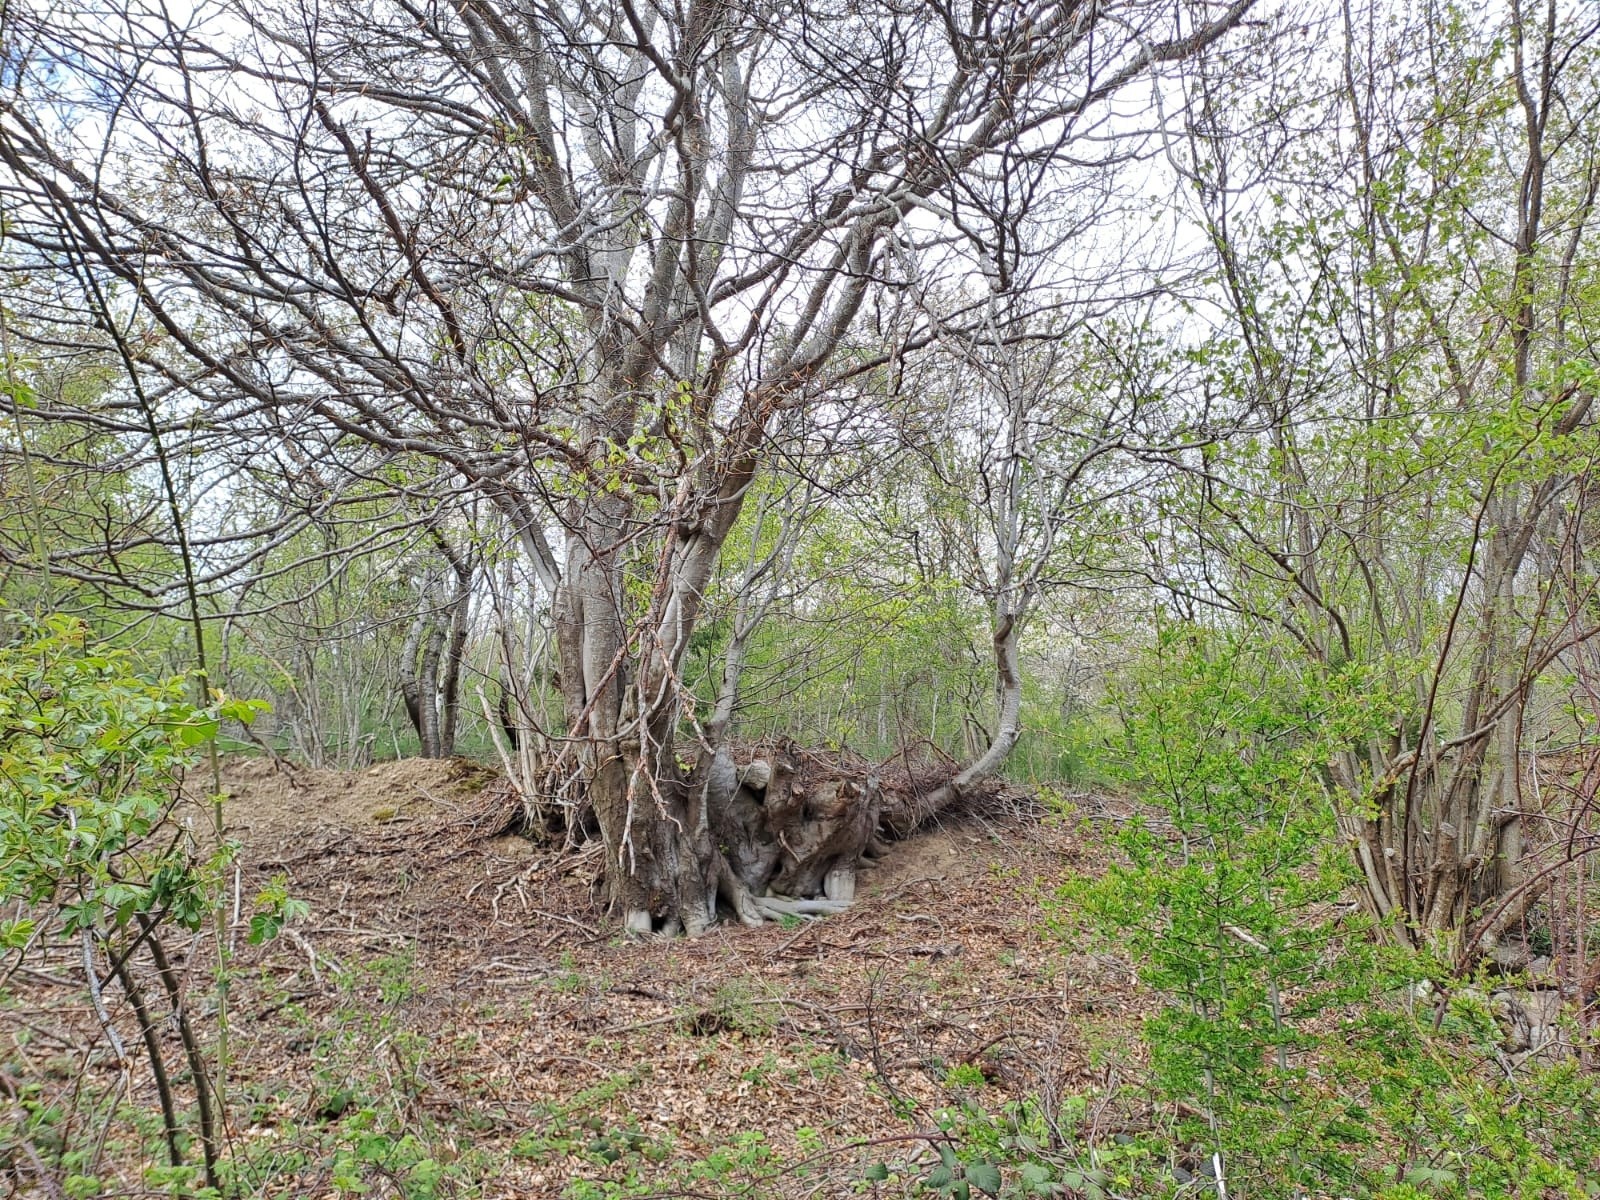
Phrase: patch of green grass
[825,1065]
[964,1077]
[569,980]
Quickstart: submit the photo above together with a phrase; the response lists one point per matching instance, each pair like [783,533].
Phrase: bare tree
[1031,438]
[584,257]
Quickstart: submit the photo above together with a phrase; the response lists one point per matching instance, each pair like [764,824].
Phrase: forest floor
[455,1014]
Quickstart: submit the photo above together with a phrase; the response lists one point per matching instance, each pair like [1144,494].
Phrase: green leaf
[198,730]
[1430,1176]
[985,1177]
[243,711]
[876,1173]
[264,927]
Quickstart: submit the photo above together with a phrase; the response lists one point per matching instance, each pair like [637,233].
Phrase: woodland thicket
[656,402]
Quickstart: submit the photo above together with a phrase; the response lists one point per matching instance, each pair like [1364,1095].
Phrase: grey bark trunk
[906,817]
[410,686]
[428,688]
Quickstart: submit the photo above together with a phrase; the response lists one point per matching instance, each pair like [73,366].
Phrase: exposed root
[775,908]
[840,883]
[783,831]
[737,895]
[700,922]
[636,923]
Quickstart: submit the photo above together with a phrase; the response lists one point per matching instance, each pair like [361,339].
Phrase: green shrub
[92,760]
[93,756]
[1286,1050]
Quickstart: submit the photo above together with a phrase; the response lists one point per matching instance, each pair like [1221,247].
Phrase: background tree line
[1190,399]
[577,389]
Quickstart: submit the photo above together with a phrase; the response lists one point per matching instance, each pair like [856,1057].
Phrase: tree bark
[411,687]
[616,249]
[454,655]
[428,684]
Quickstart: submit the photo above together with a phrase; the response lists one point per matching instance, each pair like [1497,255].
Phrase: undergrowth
[1294,1056]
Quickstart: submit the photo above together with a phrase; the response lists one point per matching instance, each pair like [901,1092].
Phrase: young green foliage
[92,757]
[1224,900]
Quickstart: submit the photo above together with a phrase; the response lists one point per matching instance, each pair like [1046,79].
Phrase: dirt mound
[465,979]
[267,799]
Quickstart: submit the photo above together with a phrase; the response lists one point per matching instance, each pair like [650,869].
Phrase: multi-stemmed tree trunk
[586,257]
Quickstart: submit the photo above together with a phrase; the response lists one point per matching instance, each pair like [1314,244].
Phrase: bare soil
[461,980]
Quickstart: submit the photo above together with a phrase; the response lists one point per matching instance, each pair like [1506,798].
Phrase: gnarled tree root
[775,908]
